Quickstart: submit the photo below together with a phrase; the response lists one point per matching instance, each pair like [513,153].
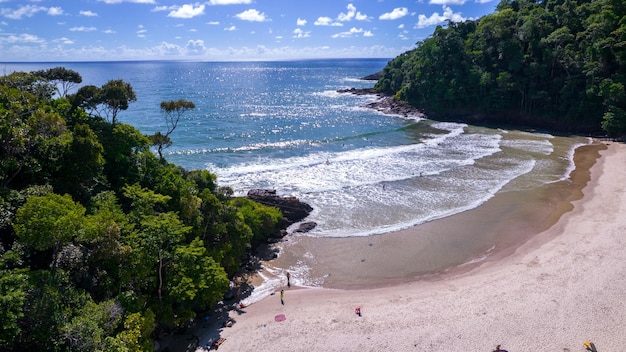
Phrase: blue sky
[221,30]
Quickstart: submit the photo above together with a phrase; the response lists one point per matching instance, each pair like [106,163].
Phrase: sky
[221,30]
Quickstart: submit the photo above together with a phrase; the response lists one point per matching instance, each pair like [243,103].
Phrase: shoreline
[554,291]
[490,231]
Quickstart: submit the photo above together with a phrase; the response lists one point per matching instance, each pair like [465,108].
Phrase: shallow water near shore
[521,209]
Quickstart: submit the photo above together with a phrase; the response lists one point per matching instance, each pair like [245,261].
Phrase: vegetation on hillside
[101,240]
[549,63]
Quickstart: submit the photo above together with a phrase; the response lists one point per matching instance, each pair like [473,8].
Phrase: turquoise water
[281,125]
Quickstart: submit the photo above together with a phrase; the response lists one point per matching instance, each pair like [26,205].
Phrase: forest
[103,243]
[555,64]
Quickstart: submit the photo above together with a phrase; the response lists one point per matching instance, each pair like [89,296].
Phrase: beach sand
[548,291]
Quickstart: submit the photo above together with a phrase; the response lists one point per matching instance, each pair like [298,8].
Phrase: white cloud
[352,14]
[252,15]
[133,1]
[64,40]
[55,11]
[195,47]
[109,31]
[24,11]
[230,29]
[398,12]
[327,21]
[163,8]
[187,11]
[353,32]
[82,29]
[447,2]
[22,38]
[229,2]
[88,13]
[300,22]
[436,18]
[299,33]
[214,23]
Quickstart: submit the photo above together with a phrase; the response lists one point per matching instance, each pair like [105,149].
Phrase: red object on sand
[280,317]
[357,310]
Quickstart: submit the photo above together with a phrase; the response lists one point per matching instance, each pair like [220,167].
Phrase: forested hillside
[101,240]
[552,63]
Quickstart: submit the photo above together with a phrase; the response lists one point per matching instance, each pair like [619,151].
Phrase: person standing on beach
[288,279]
[282,297]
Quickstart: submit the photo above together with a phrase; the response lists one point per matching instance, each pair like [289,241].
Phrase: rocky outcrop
[385,104]
[373,77]
[292,208]
[359,91]
[388,105]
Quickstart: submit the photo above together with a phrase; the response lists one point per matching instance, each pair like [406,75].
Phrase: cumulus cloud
[436,18]
[187,11]
[300,22]
[252,15]
[88,13]
[21,38]
[299,33]
[398,12]
[55,11]
[230,29]
[23,11]
[83,29]
[64,40]
[195,47]
[230,2]
[352,14]
[448,2]
[133,1]
[327,21]
[353,32]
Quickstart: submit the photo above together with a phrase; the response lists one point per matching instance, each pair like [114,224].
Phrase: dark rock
[373,77]
[306,226]
[388,105]
[292,208]
[359,91]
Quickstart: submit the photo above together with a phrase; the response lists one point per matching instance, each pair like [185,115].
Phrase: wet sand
[545,291]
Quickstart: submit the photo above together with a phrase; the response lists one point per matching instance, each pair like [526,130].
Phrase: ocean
[283,126]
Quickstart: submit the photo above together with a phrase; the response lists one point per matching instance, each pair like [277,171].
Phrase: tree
[13,287]
[173,111]
[115,95]
[197,279]
[107,101]
[49,221]
[60,76]
[93,322]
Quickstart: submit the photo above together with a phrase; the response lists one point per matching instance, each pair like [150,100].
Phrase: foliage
[552,63]
[101,240]
[173,111]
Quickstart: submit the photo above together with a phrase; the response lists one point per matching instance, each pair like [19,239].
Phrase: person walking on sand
[282,297]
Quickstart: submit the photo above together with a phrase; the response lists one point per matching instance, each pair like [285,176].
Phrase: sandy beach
[560,288]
